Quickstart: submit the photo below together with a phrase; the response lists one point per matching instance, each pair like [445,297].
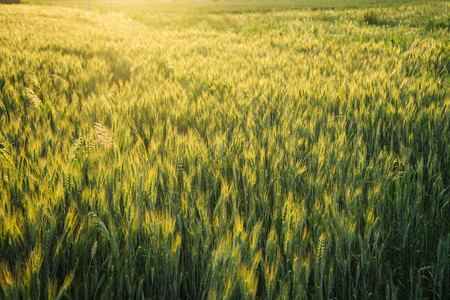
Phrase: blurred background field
[236,7]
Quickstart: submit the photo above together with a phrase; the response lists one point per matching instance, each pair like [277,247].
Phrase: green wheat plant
[261,150]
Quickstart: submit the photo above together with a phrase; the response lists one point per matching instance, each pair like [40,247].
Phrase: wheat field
[270,150]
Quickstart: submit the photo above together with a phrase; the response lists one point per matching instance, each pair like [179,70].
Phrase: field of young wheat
[225,151]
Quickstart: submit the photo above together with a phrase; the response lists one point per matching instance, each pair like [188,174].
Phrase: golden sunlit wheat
[233,150]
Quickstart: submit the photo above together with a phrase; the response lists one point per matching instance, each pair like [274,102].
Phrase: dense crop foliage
[290,154]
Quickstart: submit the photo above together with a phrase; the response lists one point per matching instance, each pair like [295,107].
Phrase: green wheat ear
[5,152]
[33,100]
